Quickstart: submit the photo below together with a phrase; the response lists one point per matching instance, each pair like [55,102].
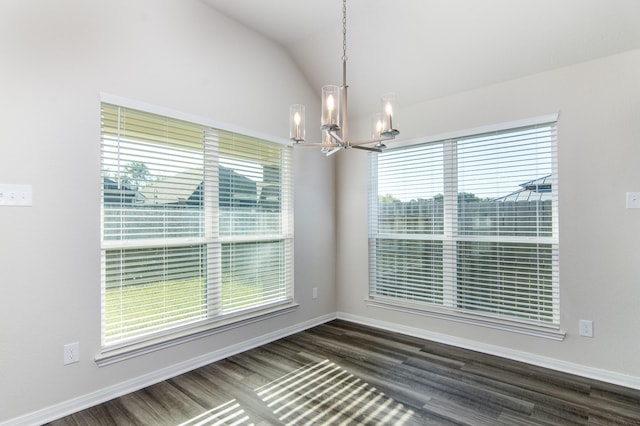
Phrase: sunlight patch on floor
[229,413]
[322,393]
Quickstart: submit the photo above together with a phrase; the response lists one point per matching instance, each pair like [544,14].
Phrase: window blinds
[196,224]
[469,224]
[255,222]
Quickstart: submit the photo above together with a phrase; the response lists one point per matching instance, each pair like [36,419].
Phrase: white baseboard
[94,398]
[100,396]
[538,360]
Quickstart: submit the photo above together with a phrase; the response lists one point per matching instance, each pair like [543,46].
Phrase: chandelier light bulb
[390,111]
[296,123]
[377,125]
[330,107]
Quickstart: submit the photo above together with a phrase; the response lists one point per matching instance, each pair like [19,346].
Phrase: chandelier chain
[344,30]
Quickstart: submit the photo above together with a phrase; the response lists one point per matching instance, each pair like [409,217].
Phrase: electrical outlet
[315,293]
[71,353]
[586,328]
[633,200]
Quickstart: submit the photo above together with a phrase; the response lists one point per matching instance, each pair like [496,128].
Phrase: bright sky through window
[479,154]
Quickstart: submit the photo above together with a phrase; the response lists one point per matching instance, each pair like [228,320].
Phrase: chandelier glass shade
[334,118]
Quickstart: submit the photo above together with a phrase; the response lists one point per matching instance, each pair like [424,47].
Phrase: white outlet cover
[586,328]
[71,353]
[633,200]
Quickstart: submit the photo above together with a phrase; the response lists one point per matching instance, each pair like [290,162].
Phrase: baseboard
[103,395]
[540,361]
[94,398]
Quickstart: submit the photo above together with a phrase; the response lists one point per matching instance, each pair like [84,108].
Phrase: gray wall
[179,54]
[599,147]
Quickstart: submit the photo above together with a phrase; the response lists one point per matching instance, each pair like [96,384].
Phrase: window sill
[113,355]
[547,332]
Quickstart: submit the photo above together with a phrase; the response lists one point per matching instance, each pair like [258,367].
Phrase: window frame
[447,310]
[128,348]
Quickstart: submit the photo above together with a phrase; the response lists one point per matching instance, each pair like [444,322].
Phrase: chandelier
[334,121]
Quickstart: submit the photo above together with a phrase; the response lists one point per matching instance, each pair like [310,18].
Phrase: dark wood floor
[344,373]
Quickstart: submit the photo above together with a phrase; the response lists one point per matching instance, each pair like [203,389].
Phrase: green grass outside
[156,305]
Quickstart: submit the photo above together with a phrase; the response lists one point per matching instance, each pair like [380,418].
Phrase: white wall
[599,151]
[56,58]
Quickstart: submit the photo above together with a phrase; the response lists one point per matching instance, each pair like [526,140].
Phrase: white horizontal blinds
[155,231]
[253,274]
[152,183]
[250,186]
[196,224]
[505,183]
[408,224]
[469,224]
[408,269]
[506,251]
[152,289]
[415,205]
[255,222]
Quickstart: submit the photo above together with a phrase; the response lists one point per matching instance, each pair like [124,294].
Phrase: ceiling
[424,49]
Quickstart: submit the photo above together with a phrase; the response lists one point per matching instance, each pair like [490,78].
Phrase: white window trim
[188,333]
[541,119]
[143,345]
[550,331]
[178,115]
[535,330]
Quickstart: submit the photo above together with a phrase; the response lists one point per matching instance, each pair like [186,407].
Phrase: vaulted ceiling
[425,49]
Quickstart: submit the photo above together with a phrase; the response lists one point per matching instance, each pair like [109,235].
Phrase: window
[196,225]
[468,227]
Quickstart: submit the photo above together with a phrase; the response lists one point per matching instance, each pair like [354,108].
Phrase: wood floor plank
[352,374]
[240,391]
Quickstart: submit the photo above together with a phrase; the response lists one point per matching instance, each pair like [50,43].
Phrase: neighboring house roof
[533,190]
[120,194]
[174,189]
[187,188]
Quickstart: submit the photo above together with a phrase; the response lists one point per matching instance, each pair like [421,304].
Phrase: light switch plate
[16,195]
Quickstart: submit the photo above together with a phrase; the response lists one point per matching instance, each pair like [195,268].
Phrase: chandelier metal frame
[334,120]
